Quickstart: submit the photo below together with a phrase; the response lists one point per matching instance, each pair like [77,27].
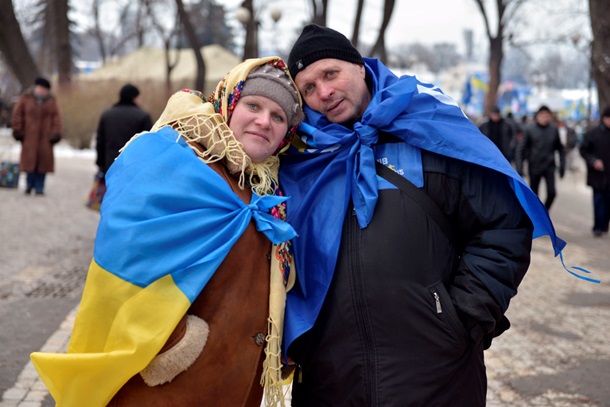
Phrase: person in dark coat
[414,235]
[499,131]
[595,149]
[36,123]
[538,147]
[118,124]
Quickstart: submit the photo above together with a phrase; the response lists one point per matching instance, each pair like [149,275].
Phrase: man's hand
[598,165]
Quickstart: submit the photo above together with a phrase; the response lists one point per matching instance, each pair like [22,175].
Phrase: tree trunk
[251,44]
[379,47]
[167,37]
[47,58]
[13,46]
[505,12]
[190,34]
[99,35]
[496,55]
[63,49]
[357,20]
[600,49]
[319,13]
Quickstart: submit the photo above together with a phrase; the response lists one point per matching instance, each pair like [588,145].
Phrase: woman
[179,308]
[37,124]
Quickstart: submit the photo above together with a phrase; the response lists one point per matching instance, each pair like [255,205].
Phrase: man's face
[41,91]
[543,118]
[335,88]
[606,121]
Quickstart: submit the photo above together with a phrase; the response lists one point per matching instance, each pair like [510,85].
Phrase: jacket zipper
[365,331]
[437,300]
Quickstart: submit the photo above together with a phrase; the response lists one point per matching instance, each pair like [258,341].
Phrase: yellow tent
[148,64]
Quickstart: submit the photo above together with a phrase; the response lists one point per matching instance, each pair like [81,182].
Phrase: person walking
[500,132]
[37,124]
[595,149]
[538,146]
[184,300]
[414,235]
[118,124]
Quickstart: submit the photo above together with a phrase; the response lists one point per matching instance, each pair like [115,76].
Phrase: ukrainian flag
[478,82]
[167,222]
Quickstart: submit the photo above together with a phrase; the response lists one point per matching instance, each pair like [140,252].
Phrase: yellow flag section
[111,343]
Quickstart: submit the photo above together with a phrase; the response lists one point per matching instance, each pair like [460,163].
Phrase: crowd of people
[316,221]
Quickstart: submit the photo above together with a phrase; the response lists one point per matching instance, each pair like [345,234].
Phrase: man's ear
[362,71]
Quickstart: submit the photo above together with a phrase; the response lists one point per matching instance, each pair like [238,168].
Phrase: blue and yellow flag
[167,222]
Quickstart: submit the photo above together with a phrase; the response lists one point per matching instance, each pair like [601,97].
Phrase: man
[595,149]
[398,291]
[118,124]
[36,122]
[538,145]
[499,131]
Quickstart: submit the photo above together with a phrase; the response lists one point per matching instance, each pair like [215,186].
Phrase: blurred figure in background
[517,133]
[569,139]
[36,123]
[500,132]
[538,146]
[118,124]
[595,149]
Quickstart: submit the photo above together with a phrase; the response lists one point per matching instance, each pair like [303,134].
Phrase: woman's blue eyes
[276,117]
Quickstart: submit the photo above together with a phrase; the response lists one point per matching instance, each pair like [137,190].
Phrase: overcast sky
[425,21]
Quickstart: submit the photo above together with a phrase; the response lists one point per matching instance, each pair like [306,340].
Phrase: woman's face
[260,125]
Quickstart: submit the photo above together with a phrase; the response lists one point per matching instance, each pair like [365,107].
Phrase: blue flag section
[339,165]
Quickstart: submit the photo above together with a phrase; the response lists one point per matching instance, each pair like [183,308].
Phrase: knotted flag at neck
[339,165]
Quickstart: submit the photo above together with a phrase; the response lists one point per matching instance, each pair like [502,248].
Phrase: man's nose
[325,92]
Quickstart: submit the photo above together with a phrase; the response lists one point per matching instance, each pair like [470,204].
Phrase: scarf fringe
[271,378]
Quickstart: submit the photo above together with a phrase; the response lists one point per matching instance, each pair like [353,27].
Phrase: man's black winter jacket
[409,312]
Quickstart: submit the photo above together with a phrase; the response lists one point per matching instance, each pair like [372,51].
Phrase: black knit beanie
[315,43]
[42,82]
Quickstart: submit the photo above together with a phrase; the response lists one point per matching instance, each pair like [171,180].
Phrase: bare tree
[357,20]
[251,25]
[319,12]
[97,29]
[505,12]
[131,25]
[379,48]
[600,49]
[63,49]
[14,48]
[167,36]
[190,34]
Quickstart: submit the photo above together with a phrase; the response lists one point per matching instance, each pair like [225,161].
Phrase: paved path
[557,353]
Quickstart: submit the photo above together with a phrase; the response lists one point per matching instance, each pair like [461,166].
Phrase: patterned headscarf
[229,90]
[207,123]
